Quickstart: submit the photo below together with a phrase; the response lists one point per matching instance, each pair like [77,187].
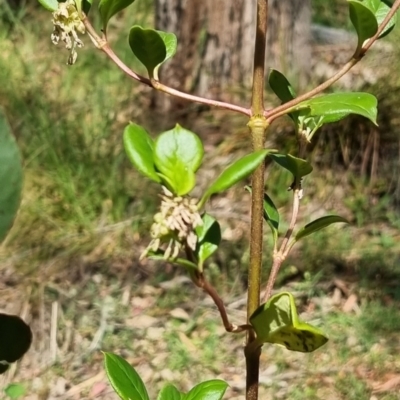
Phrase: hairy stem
[258,126]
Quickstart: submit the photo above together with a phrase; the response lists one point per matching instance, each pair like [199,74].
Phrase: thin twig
[102,44]
[271,115]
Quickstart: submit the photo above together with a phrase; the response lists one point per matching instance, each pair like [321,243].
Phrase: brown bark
[216,39]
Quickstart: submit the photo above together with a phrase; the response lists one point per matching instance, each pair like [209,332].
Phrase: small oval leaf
[51,5]
[169,392]
[363,20]
[277,322]
[108,8]
[149,47]
[335,106]
[178,154]
[124,379]
[281,86]
[209,238]
[237,171]
[139,148]
[297,166]
[209,390]
[318,224]
[380,10]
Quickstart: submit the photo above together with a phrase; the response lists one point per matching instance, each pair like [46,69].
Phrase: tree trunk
[215,45]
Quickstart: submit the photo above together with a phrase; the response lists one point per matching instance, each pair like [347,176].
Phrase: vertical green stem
[258,126]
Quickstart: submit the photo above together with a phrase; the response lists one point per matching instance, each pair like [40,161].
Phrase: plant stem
[102,44]
[258,126]
[281,255]
[271,115]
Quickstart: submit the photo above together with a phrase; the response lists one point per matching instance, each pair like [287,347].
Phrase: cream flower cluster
[67,25]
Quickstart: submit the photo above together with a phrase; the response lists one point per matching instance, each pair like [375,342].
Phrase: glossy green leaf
[318,224]
[335,106]
[277,322]
[139,148]
[297,166]
[86,5]
[380,10]
[209,238]
[178,154]
[11,177]
[281,86]
[208,390]
[363,20]
[108,8]
[237,171]
[50,5]
[152,47]
[169,392]
[124,379]
[271,215]
[170,42]
[15,339]
[15,391]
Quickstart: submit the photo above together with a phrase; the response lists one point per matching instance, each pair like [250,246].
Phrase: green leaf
[170,42]
[318,224]
[335,106]
[297,166]
[271,214]
[108,8]
[208,390]
[152,47]
[15,390]
[15,339]
[363,20]
[169,392]
[209,238]
[159,255]
[124,379]
[51,5]
[277,322]
[178,154]
[281,86]
[86,5]
[237,171]
[381,10]
[139,148]
[11,177]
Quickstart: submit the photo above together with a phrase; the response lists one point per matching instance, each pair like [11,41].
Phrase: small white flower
[174,224]
[67,25]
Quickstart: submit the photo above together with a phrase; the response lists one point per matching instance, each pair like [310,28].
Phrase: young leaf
[335,106]
[139,148]
[51,5]
[169,392]
[277,322]
[318,224]
[170,42]
[11,177]
[281,86]
[363,20]
[86,5]
[380,10]
[208,390]
[108,8]
[15,339]
[209,238]
[239,170]
[124,379]
[297,166]
[178,154]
